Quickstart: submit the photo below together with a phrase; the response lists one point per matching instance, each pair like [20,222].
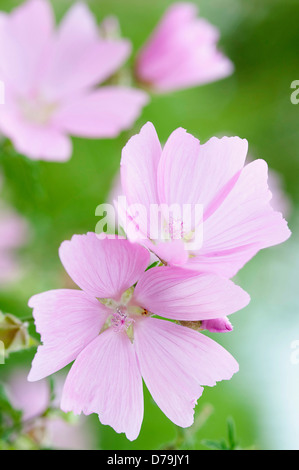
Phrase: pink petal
[32,398]
[139,164]
[172,252]
[181,294]
[10,269]
[190,173]
[242,225]
[155,57]
[105,379]
[182,52]
[24,38]
[80,58]
[80,20]
[103,268]
[102,113]
[14,230]
[217,325]
[179,169]
[67,320]
[175,363]
[209,66]
[35,141]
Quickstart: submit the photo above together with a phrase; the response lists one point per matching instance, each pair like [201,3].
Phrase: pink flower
[108,329]
[237,219]
[13,235]
[182,52]
[50,78]
[33,400]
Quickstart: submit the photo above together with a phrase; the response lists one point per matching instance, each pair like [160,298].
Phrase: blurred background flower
[14,233]
[182,52]
[50,80]
[43,425]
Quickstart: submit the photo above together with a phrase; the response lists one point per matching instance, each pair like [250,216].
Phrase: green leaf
[153,265]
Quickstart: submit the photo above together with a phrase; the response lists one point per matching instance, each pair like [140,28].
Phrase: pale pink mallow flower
[50,79]
[108,329]
[237,219]
[182,52]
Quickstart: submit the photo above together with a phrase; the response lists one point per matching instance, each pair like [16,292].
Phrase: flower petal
[182,52]
[181,294]
[80,58]
[24,37]
[154,59]
[35,141]
[103,268]
[175,363]
[190,173]
[139,163]
[105,379]
[242,225]
[67,320]
[172,252]
[102,113]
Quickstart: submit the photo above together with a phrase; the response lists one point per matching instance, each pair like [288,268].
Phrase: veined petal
[172,252]
[242,225]
[175,362]
[139,164]
[190,173]
[181,294]
[105,379]
[67,320]
[103,268]
[178,169]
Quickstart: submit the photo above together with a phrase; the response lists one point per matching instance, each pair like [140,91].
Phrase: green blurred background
[261,37]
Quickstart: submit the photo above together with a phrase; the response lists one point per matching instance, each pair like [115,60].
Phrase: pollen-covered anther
[120,320]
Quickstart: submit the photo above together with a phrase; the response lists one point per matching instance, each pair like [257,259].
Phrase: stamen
[120,320]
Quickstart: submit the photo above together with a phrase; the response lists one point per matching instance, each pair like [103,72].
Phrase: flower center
[120,320]
[124,313]
[37,110]
[175,229]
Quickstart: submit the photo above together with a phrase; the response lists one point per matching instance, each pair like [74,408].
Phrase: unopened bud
[14,335]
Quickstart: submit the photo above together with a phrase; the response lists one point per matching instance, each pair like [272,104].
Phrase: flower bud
[14,334]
